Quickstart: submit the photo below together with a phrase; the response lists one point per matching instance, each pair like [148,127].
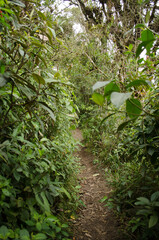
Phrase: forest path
[94,222]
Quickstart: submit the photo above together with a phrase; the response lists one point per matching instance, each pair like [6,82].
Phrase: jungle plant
[35,103]
[134,159]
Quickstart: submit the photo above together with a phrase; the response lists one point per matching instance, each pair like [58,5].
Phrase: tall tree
[119,16]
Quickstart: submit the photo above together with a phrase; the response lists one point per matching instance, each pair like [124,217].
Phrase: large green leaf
[43,202]
[133,107]
[52,218]
[17,2]
[147,18]
[142,201]
[119,98]
[4,156]
[48,109]
[42,15]
[38,78]
[4,232]
[144,45]
[38,43]
[147,39]
[140,48]
[38,226]
[39,236]
[111,87]
[145,212]
[24,234]
[153,220]
[137,83]
[140,25]
[147,35]
[100,84]
[52,32]
[54,190]
[6,10]
[2,68]
[155,196]
[6,192]
[98,98]
[66,193]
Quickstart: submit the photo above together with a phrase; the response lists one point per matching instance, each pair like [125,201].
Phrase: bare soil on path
[95,221]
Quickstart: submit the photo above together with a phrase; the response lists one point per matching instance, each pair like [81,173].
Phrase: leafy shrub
[37,180]
[128,144]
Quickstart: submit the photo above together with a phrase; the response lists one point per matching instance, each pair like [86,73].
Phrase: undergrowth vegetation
[126,142]
[38,170]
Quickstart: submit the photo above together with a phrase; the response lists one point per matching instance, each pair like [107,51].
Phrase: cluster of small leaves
[114,93]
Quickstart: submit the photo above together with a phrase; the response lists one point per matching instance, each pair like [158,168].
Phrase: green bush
[37,174]
[126,141]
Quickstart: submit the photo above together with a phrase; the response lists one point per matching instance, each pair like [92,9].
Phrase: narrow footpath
[95,221]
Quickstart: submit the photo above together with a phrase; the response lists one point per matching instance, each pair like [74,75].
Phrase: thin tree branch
[95,65]
[153,12]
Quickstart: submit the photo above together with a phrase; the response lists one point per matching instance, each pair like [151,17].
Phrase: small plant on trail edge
[150,208]
[148,220]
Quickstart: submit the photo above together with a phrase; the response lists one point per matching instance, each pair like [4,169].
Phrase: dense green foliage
[125,137]
[37,167]
[48,74]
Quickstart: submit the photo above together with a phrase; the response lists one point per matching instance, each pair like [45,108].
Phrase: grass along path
[94,222]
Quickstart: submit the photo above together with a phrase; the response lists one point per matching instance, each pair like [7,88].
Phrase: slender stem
[95,65]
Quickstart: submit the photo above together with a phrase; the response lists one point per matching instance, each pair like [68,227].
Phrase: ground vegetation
[37,174]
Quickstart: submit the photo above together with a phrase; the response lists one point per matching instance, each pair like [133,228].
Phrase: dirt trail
[95,222]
